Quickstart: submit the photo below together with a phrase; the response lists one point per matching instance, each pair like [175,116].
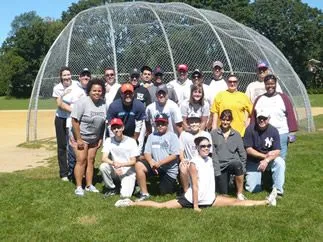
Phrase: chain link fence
[132,34]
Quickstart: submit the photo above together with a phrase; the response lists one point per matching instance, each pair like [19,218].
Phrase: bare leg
[222,201]
[141,172]
[90,165]
[81,158]
[169,204]
[239,183]
[184,176]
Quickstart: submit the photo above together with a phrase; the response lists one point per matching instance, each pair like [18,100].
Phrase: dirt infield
[13,132]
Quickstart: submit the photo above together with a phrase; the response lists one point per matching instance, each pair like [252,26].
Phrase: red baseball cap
[127,87]
[116,121]
[182,67]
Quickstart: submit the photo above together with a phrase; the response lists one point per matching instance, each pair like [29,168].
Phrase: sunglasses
[205,146]
[262,70]
[196,76]
[262,118]
[114,127]
[161,124]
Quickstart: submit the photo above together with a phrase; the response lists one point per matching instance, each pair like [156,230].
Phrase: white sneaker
[241,197]
[79,191]
[65,179]
[123,203]
[91,188]
[272,197]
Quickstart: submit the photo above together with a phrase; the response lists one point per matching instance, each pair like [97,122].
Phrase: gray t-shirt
[161,146]
[171,93]
[91,117]
[186,140]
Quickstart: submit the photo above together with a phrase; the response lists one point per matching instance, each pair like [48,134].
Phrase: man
[119,158]
[257,88]
[166,106]
[111,85]
[262,144]
[182,85]
[158,80]
[130,110]
[188,148]
[161,152]
[218,83]
[140,92]
[146,76]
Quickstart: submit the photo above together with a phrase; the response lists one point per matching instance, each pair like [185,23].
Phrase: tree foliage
[295,28]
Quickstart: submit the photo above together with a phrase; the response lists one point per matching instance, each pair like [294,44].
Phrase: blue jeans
[283,145]
[253,176]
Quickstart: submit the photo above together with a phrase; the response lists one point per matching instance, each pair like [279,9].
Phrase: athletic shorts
[187,204]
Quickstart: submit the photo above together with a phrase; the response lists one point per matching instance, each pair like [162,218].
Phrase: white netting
[130,35]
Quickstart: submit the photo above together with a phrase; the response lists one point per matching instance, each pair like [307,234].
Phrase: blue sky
[54,9]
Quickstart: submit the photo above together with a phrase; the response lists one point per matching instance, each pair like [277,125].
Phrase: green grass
[22,104]
[316,100]
[37,206]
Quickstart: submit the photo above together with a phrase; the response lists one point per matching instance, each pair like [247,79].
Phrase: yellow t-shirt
[238,102]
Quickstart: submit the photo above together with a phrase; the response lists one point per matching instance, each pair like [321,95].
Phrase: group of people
[199,134]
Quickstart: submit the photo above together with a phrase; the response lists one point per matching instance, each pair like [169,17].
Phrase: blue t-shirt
[261,140]
[162,146]
[128,114]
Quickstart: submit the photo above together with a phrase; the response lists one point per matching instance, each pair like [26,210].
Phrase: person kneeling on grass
[202,185]
[119,158]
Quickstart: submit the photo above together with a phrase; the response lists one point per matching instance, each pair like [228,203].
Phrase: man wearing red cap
[130,110]
[182,85]
[119,159]
[257,88]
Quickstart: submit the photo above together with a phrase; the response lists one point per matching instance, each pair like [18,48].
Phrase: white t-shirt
[111,92]
[215,87]
[76,93]
[188,110]
[277,110]
[183,90]
[122,151]
[257,88]
[186,142]
[171,109]
[206,182]
[60,91]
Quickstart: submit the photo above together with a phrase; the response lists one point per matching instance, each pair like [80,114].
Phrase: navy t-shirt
[261,140]
[128,114]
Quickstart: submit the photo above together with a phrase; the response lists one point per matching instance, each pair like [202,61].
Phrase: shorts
[167,184]
[187,204]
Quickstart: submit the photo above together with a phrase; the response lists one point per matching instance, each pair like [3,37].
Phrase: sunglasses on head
[205,146]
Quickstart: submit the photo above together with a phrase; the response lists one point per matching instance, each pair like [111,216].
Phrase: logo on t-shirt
[269,142]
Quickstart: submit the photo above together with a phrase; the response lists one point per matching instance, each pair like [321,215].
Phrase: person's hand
[156,165]
[197,209]
[118,171]
[80,144]
[263,165]
[117,165]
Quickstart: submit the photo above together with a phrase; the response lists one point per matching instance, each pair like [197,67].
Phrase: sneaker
[241,197]
[79,191]
[65,179]
[123,203]
[272,197]
[110,193]
[143,197]
[91,188]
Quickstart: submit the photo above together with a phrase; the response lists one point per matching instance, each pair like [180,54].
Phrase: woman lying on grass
[202,186]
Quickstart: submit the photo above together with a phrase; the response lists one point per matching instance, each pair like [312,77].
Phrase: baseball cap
[217,63]
[161,117]
[196,72]
[116,121]
[134,73]
[85,71]
[163,88]
[263,113]
[127,87]
[182,67]
[193,115]
[158,70]
[262,64]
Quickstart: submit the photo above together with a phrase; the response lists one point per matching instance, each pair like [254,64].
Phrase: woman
[230,154]
[281,111]
[88,120]
[234,100]
[196,106]
[202,185]
[62,113]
